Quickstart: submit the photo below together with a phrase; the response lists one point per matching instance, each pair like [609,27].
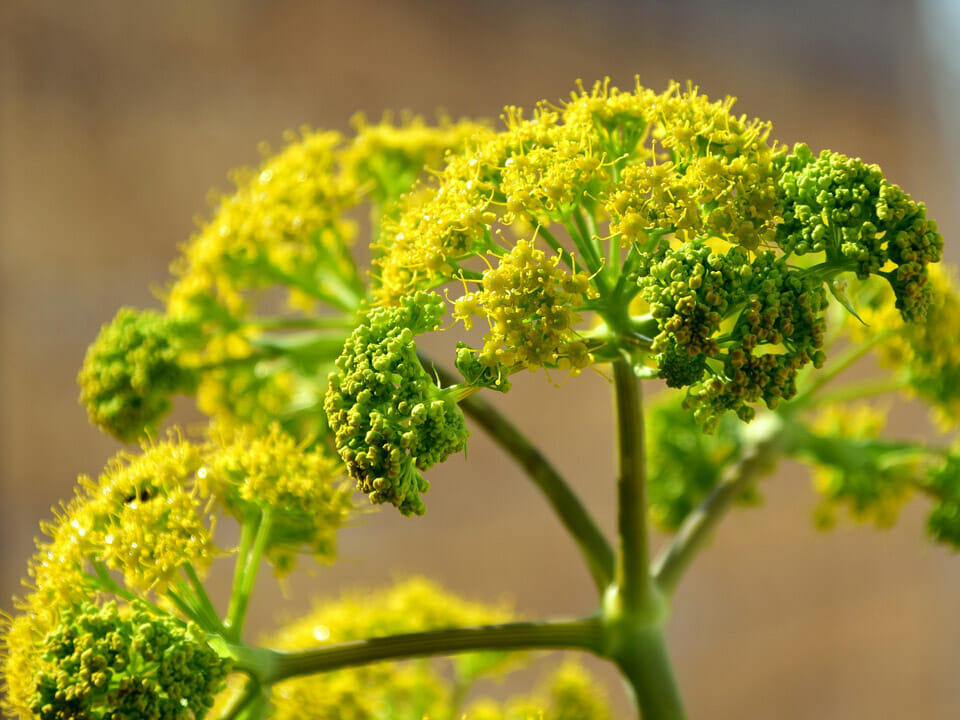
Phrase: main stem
[635,609]
[633,575]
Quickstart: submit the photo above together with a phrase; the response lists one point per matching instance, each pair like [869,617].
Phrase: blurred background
[116,118]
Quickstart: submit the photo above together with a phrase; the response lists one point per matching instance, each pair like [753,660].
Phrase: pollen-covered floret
[133,368]
[145,517]
[273,478]
[925,354]
[110,662]
[530,304]
[845,208]
[389,419]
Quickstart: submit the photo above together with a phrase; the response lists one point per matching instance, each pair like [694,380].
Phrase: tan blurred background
[117,117]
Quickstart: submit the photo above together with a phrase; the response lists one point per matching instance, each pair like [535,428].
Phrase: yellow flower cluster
[300,488]
[283,225]
[287,226]
[530,304]
[385,159]
[644,162]
[846,474]
[713,177]
[569,694]
[145,517]
[925,354]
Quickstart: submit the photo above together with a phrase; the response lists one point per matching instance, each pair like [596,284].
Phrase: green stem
[247,533]
[633,576]
[581,634]
[754,461]
[571,512]
[646,667]
[202,597]
[243,705]
[240,597]
[842,363]
[857,392]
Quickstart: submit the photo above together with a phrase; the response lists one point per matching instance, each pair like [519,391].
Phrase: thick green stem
[571,512]
[754,461]
[635,587]
[582,634]
[645,665]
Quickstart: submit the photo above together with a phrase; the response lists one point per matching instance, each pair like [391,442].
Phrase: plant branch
[754,461]
[571,512]
[247,566]
[581,634]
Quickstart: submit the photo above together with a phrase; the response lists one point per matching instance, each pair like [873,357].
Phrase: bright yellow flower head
[145,517]
[301,489]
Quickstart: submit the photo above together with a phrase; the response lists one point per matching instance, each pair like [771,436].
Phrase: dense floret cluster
[111,663]
[133,368]
[271,478]
[389,418]
[844,208]
[530,304]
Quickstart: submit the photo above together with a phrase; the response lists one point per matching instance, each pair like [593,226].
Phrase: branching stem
[581,634]
[571,512]
[754,461]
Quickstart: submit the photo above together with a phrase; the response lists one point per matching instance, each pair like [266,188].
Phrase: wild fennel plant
[647,235]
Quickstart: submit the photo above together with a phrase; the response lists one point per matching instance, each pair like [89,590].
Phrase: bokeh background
[117,117]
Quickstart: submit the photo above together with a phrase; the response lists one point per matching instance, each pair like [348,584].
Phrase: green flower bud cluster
[772,315]
[943,484]
[113,663]
[690,292]
[389,419]
[846,209]
[133,368]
